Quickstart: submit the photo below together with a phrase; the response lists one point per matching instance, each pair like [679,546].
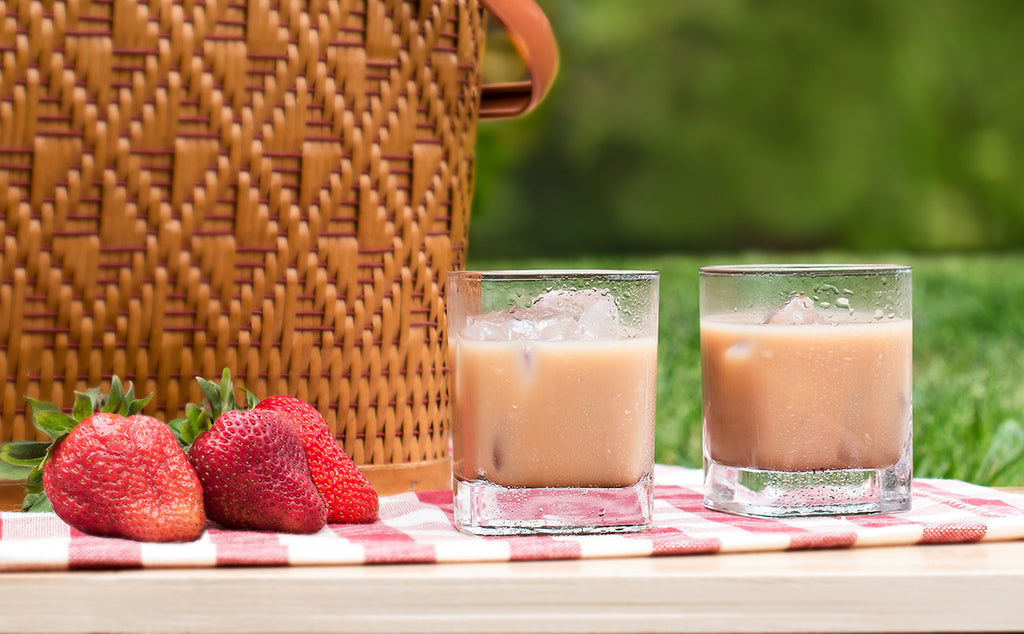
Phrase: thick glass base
[764,493]
[483,508]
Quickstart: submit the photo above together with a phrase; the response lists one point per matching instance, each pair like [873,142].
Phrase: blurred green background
[690,132]
[682,125]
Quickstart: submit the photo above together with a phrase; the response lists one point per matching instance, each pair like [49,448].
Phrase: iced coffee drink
[806,375]
[553,392]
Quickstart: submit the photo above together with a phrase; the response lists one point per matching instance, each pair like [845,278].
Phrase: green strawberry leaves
[36,503]
[199,417]
[221,398]
[18,460]
[34,480]
[56,425]
[85,404]
[24,460]
[116,402]
[13,472]
[187,429]
[23,452]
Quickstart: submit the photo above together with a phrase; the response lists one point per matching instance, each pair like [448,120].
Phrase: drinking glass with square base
[554,383]
[806,381]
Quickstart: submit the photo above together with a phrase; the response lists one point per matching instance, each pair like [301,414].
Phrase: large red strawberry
[349,496]
[255,474]
[125,476]
[116,472]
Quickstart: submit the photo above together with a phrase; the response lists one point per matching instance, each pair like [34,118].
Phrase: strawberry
[255,475]
[252,465]
[114,472]
[349,496]
[125,476]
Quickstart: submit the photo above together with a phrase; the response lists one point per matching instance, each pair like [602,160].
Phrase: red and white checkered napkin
[417,527]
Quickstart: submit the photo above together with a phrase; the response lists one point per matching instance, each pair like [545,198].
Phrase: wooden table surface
[947,588]
[970,587]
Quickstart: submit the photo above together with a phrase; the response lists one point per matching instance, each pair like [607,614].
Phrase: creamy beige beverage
[805,397]
[554,413]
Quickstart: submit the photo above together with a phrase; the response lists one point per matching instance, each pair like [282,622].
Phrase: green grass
[968,357]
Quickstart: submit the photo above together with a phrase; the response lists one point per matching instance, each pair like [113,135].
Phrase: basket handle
[530,33]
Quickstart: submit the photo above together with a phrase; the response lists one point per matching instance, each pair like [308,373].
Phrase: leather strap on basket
[530,33]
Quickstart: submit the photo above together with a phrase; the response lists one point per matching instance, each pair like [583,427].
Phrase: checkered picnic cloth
[417,528]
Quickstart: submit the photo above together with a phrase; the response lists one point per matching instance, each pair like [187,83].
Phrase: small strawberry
[253,467]
[114,472]
[349,496]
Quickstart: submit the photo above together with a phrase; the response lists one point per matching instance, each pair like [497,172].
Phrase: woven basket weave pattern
[274,186]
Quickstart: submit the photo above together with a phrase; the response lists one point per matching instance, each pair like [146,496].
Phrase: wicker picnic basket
[273,186]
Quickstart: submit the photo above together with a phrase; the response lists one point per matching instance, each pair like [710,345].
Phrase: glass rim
[554,274]
[807,270]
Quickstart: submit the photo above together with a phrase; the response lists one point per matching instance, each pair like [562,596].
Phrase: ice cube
[798,310]
[600,320]
[739,351]
[584,314]
[553,316]
[496,326]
